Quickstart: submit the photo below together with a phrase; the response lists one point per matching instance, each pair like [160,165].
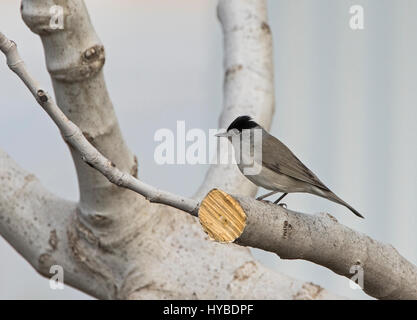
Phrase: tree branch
[75,58]
[248,82]
[252,223]
[73,135]
[35,222]
[150,253]
[319,239]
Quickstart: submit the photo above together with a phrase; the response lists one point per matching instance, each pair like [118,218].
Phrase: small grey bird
[281,170]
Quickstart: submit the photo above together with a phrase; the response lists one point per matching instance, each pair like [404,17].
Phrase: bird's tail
[331,196]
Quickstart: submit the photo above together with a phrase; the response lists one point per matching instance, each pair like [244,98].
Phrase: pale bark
[248,82]
[125,246]
[35,222]
[322,240]
[316,238]
[77,140]
[74,58]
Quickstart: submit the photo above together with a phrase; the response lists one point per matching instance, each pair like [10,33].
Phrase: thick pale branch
[35,222]
[157,252]
[319,239]
[75,58]
[248,81]
[73,135]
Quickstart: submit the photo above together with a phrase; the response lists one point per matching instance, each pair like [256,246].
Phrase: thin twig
[74,136]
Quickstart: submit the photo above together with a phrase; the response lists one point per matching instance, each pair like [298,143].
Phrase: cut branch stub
[221,216]
[383,273]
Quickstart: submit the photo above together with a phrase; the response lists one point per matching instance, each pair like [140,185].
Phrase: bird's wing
[278,157]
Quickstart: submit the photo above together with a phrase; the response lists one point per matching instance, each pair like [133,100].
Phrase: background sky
[346,104]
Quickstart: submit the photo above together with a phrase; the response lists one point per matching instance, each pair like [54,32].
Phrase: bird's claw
[284,205]
[264,200]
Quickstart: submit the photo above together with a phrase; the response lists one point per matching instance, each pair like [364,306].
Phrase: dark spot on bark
[99,220]
[287,229]
[29,178]
[93,53]
[42,96]
[89,164]
[134,171]
[44,263]
[90,62]
[233,69]
[265,27]
[90,53]
[88,136]
[331,217]
[112,164]
[53,240]
[309,291]
[245,271]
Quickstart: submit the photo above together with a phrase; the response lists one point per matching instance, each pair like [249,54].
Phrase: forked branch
[75,138]
[247,222]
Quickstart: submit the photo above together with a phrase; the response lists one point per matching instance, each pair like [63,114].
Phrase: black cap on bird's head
[242,122]
[239,124]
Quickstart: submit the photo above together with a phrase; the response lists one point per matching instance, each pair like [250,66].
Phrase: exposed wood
[221,216]
[316,238]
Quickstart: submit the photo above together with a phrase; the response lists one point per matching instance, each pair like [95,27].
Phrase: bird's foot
[280,198]
[284,205]
[263,200]
[266,195]
[266,201]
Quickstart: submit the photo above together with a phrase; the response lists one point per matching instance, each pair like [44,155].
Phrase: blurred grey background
[346,104]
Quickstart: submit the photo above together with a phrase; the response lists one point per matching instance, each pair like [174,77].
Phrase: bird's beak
[222,134]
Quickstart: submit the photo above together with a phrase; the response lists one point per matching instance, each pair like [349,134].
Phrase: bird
[279,168]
